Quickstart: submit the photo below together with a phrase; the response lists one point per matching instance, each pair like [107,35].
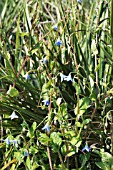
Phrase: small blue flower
[44,61]
[62,77]
[7,141]
[46,127]
[27,76]
[79,1]
[68,78]
[55,27]
[14,141]
[86,148]
[46,102]
[58,42]
[26,154]
[13,116]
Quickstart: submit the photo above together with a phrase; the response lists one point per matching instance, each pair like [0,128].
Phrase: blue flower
[86,148]
[58,42]
[26,154]
[44,61]
[13,116]
[7,141]
[55,27]
[46,127]
[68,78]
[62,77]
[79,1]
[14,141]
[27,76]
[46,102]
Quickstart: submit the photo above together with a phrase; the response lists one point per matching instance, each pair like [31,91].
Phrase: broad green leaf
[83,105]
[18,156]
[44,139]
[55,136]
[74,140]
[13,92]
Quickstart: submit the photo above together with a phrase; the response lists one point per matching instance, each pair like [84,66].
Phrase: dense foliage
[56,78]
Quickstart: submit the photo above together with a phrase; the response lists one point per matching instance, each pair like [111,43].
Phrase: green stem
[61,160]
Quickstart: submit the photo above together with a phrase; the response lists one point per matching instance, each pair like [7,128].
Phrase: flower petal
[13,116]
[58,42]
[46,127]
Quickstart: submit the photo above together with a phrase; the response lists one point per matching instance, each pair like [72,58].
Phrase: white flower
[13,116]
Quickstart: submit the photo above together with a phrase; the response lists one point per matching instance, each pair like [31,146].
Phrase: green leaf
[18,156]
[32,130]
[13,92]
[70,154]
[83,105]
[34,126]
[78,124]
[101,165]
[28,163]
[33,150]
[74,140]
[91,81]
[44,139]
[77,87]
[78,144]
[94,48]
[55,136]
[86,121]
[4,10]
[58,101]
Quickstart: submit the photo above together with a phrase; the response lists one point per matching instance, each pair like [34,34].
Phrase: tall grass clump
[56,81]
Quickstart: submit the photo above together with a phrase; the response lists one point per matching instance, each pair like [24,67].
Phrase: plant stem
[111,31]
[1,129]
[49,156]
[61,160]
